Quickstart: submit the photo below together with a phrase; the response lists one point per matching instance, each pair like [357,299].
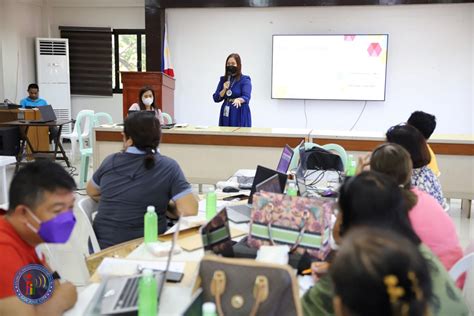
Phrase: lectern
[162,84]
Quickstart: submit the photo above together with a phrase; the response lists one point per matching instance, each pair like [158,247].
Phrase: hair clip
[394,291]
[414,285]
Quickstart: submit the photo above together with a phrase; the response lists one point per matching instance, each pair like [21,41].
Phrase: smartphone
[235,197]
[174,277]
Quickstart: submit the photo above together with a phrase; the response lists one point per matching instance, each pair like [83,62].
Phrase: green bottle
[351,166]
[211,204]
[292,189]
[209,309]
[151,225]
[147,294]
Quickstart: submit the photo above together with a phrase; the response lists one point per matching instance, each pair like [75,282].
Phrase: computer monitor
[285,159]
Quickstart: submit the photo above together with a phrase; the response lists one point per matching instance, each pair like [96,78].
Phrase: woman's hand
[363,164]
[226,85]
[318,269]
[238,102]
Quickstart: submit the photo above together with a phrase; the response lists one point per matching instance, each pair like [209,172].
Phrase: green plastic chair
[339,150]
[167,118]
[296,155]
[102,115]
[85,151]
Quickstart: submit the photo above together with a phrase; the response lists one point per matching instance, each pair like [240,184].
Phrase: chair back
[102,115]
[84,215]
[296,155]
[338,150]
[465,265]
[83,117]
[167,118]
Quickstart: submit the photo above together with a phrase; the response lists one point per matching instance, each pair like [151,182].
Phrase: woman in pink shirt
[434,227]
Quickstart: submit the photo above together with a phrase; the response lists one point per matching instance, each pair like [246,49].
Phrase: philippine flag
[167,66]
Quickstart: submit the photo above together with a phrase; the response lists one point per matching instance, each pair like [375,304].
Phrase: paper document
[117,266]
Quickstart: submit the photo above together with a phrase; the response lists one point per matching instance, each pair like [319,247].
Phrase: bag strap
[300,235]
[260,291]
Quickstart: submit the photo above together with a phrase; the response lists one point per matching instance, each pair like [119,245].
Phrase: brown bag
[248,287]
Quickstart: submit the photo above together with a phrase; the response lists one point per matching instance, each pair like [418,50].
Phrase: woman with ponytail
[139,176]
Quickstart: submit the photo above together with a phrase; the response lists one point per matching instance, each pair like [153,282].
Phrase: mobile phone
[174,277]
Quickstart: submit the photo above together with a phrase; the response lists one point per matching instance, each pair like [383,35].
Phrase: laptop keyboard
[129,296]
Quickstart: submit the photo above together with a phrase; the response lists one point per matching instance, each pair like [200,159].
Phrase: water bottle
[147,294]
[351,166]
[292,189]
[211,204]
[151,225]
[209,309]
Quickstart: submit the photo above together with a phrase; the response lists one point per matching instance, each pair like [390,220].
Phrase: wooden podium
[162,84]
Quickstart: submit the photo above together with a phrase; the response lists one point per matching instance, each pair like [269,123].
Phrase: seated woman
[430,222]
[146,102]
[413,141]
[139,176]
[372,199]
[385,267]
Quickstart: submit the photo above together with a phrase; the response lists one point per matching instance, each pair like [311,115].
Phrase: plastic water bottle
[151,225]
[351,166]
[209,309]
[211,204]
[147,294]
[292,189]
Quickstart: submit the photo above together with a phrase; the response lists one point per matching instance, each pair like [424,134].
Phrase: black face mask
[232,70]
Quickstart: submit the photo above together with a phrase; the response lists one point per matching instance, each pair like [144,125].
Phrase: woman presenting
[235,89]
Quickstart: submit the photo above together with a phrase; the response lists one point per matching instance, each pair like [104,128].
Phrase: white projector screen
[329,67]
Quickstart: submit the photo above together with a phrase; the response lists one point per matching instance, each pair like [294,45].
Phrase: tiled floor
[464,226]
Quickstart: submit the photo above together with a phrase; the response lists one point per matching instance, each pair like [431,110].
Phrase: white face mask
[147,101]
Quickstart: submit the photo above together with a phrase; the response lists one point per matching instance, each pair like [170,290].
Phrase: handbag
[245,287]
[299,222]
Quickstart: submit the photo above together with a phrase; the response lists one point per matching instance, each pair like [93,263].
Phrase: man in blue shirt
[33,98]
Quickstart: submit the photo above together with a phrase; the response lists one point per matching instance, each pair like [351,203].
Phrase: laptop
[241,213]
[47,114]
[285,159]
[119,295]
[301,171]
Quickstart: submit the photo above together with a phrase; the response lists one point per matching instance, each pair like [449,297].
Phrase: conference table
[209,154]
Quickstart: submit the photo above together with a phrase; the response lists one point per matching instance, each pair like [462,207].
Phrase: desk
[38,135]
[212,154]
[36,152]
[4,161]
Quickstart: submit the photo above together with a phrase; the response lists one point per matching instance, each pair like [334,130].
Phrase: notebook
[285,159]
[47,114]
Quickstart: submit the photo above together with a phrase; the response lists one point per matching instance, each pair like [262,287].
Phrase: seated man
[33,98]
[129,181]
[426,124]
[40,210]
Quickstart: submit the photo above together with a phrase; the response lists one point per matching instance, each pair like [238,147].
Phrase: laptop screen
[263,174]
[272,184]
[285,159]
[47,113]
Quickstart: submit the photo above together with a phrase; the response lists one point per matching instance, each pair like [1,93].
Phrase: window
[90,59]
[129,54]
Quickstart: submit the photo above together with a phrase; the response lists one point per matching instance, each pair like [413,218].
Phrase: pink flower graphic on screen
[349,38]
[374,49]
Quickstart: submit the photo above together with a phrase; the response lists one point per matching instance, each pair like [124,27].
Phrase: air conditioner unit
[52,71]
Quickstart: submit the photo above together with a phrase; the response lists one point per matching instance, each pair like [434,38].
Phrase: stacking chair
[102,115]
[167,118]
[338,150]
[85,149]
[85,212]
[74,135]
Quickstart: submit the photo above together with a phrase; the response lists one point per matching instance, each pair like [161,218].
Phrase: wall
[430,63]
[115,14]
[22,21]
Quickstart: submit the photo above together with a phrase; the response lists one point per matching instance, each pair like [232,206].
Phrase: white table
[4,161]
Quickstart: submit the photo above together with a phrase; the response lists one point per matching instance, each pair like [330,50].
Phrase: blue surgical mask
[56,230]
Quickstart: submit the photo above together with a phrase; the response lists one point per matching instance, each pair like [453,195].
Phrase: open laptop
[47,114]
[119,295]
[241,213]
[285,159]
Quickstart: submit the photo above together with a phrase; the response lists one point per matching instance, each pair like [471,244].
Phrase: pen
[307,271]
